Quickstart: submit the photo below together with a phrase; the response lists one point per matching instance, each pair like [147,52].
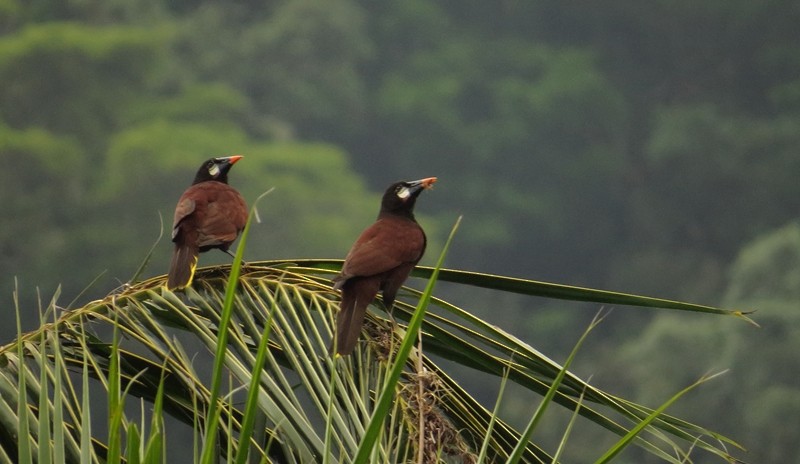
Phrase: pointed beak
[425,183]
[225,163]
[232,159]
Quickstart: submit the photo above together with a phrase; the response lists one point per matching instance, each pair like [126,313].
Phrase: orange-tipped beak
[427,182]
[233,159]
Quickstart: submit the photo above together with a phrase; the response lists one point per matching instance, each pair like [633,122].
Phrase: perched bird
[210,214]
[380,260]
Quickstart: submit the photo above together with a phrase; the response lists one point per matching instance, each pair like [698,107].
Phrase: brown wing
[380,259]
[225,217]
[186,206]
[357,294]
[386,244]
[216,211]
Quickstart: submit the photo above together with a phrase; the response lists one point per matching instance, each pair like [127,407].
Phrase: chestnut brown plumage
[210,214]
[380,260]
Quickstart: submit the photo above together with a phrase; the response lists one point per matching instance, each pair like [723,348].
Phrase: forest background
[643,146]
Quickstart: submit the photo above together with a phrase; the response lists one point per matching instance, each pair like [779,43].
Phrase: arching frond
[313,407]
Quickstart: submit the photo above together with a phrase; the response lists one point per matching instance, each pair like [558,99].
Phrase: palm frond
[315,408]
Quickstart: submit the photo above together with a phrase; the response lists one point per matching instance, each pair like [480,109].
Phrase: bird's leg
[392,324]
[244,263]
[388,310]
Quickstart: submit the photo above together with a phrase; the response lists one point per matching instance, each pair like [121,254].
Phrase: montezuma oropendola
[210,214]
[380,260]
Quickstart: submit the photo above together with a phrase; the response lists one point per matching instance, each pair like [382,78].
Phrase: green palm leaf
[315,408]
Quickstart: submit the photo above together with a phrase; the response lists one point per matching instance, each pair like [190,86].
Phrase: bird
[380,260]
[210,214]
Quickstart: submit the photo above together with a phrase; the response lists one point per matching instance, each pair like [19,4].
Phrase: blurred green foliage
[761,398]
[627,145]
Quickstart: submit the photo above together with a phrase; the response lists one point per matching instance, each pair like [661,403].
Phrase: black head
[215,169]
[400,197]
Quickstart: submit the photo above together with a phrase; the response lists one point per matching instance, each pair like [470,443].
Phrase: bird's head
[216,169]
[400,197]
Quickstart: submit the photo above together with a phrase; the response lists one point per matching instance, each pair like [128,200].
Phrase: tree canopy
[649,147]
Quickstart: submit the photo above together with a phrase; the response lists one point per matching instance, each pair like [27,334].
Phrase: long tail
[357,294]
[181,269]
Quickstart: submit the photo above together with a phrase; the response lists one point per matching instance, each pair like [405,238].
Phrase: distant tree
[530,137]
[297,62]
[710,181]
[761,389]
[65,87]
[98,135]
